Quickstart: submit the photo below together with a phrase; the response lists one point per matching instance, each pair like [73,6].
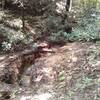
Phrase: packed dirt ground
[69,72]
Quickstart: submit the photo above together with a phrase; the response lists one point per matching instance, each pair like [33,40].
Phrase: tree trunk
[3,2]
[68,5]
[23,20]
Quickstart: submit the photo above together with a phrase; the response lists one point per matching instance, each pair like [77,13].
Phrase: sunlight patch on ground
[2,58]
[60,6]
[15,22]
[44,96]
[47,70]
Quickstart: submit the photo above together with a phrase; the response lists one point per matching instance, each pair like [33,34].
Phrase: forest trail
[68,73]
[49,52]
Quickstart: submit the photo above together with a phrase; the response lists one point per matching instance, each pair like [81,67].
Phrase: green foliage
[88,16]
[15,38]
[84,83]
[58,37]
[87,33]
[12,38]
[62,76]
[81,86]
[93,55]
[52,23]
[6,46]
[83,35]
[61,79]
[86,30]
[70,95]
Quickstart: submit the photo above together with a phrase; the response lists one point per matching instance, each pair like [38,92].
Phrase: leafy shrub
[6,46]
[87,29]
[87,33]
[83,35]
[59,37]
[16,40]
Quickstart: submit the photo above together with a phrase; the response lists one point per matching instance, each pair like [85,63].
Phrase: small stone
[25,80]
[74,59]
[69,61]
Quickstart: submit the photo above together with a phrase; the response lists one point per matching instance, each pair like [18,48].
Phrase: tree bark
[68,5]
[3,2]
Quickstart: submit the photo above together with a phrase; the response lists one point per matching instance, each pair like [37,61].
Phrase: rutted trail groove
[13,66]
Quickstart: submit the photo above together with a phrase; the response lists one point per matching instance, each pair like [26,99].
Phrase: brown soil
[71,72]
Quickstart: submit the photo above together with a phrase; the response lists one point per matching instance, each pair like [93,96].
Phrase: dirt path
[71,73]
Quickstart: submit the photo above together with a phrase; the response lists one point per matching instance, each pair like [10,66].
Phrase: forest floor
[67,72]
[71,72]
